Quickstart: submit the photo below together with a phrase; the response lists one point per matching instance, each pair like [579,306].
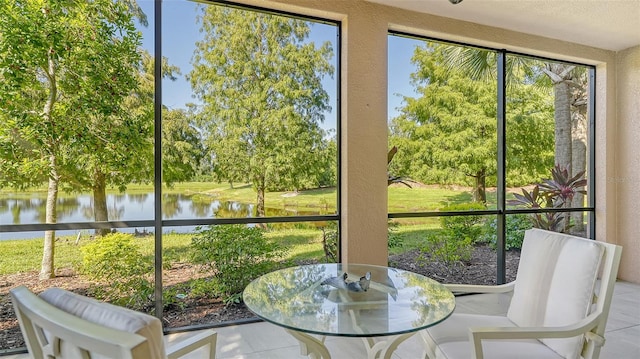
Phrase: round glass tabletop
[349,300]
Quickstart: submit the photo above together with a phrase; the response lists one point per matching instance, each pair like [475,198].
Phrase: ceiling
[606,24]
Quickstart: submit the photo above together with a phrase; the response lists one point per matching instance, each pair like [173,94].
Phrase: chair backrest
[50,331]
[556,281]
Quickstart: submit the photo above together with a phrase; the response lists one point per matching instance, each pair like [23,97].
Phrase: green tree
[117,147]
[530,129]
[328,173]
[449,118]
[567,80]
[66,66]
[263,101]
[570,98]
[107,164]
[182,149]
[451,126]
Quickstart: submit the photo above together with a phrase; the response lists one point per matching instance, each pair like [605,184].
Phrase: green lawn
[421,199]
[24,255]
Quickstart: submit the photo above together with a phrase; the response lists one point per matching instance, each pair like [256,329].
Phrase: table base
[315,348]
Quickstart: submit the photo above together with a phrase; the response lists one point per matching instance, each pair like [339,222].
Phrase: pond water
[125,207]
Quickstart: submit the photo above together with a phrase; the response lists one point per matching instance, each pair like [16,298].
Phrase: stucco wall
[364,99]
[627,151]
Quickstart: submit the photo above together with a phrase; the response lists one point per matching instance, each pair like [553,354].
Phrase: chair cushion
[452,338]
[555,284]
[111,316]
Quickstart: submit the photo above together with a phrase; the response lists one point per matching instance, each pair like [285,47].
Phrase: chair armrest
[472,288]
[185,346]
[476,335]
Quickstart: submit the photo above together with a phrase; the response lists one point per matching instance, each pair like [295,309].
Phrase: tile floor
[266,341]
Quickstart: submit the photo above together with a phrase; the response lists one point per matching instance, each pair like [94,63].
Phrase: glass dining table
[382,305]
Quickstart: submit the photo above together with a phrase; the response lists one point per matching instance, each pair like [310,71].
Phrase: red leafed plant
[556,192]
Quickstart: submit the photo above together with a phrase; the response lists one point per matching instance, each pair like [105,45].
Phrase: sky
[180,32]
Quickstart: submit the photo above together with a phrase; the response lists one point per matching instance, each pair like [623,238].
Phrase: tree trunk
[48,251]
[260,202]
[480,189]
[100,212]
[562,105]
[47,266]
[579,160]
[563,140]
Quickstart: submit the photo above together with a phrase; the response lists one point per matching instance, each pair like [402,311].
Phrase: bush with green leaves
[454,243]
[172,297]
[330,241]
[447,249]
[235,254]
[394,239]
[516,225]
[202,287]
[121,271]
[178,295]
[464,227]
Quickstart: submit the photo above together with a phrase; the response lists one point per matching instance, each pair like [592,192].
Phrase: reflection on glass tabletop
[330,299]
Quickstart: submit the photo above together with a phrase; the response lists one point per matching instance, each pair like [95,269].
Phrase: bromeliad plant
[557,192]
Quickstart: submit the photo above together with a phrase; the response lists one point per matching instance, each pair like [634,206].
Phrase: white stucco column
[627,163]
[364,138]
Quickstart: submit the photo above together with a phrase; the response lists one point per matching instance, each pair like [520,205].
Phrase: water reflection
[199,209]
[138,197]
[232,210]
[16,209]
[171,207]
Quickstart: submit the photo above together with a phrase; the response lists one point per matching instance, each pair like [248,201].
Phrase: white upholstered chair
[558,308]
[61,324]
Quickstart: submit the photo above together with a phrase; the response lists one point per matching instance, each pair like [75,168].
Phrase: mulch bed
[481,269]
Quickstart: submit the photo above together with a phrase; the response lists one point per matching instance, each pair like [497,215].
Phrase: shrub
[454,243]
[122,273]
[464,227]
[202,287]
[236,254]
[443,247]
[516,225]
[173,297]
[394,238]
[330,241]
